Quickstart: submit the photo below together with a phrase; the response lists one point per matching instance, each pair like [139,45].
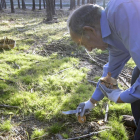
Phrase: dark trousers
[135,106]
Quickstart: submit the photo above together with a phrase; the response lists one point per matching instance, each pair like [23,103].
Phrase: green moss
[98,51]
[37,133]
[6,126]
[131,63]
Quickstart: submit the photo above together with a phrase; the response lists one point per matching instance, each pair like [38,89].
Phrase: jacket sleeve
[116,62]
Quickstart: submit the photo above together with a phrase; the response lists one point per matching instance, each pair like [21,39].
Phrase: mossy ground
[43,86]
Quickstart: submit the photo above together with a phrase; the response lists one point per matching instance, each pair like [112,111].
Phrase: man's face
[90,40]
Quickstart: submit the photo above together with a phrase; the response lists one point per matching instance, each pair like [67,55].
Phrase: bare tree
[92,1]
[104,3]
[0,7]
[78,2]
[39,4]
[23,5]
[60,4]
[3,4]
[88,1]
[53,8]
[83,2]
[44,4]
[12,6]
[49,9]
[33,6]
[18,4]
[72,4]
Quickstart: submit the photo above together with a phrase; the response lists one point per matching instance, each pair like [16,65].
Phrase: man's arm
[117,60]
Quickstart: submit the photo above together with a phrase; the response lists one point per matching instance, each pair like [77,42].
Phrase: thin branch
[93,59]
[106,112]
[95,83]
[88,135]
[64,70]
[124,81]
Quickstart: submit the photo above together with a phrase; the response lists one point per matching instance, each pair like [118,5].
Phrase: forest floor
[47,73]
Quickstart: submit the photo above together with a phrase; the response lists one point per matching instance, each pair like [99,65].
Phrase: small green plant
[131,63]
[98,51]
[65,135]
[55,128]
[6,126]
[37,133]
[96,78]
[117,132]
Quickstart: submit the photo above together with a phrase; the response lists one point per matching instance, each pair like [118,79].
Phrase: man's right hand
[86,107]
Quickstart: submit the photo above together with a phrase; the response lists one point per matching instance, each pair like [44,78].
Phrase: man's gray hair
[87,15]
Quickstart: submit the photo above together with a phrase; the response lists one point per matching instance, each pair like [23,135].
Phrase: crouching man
[117,28]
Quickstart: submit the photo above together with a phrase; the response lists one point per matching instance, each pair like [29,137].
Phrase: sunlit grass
[45,86]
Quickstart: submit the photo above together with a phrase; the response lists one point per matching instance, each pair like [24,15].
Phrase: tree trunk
[18,4]
[53,8]
[0,7]
[104,3]
[88,1]
[92,1]
[49,10]
[33,6]
[12,6]
[72,4]
[44,4]
[39,4]
[3,4]
[83,2]
[60,4]
[78,2]
[23,5]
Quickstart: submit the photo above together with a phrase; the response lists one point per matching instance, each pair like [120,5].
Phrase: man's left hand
[112,94]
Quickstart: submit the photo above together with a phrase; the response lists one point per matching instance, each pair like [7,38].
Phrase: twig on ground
[93,59]
[106,112]
[88,135]
[8,106]
[95,83]
[64,70]
[124,81]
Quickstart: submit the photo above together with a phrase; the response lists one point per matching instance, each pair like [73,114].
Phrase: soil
[96,68]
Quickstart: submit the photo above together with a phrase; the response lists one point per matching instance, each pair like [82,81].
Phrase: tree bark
[78,2]
[44,4]
[83,2]
[23,5]
[60,4]
[49,10]
[12,6]
[39,4]
[33,6]
[18,4]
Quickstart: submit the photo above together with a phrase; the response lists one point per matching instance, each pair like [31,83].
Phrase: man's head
[84,27]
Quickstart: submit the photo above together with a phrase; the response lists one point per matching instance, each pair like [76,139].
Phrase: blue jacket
[120,27]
